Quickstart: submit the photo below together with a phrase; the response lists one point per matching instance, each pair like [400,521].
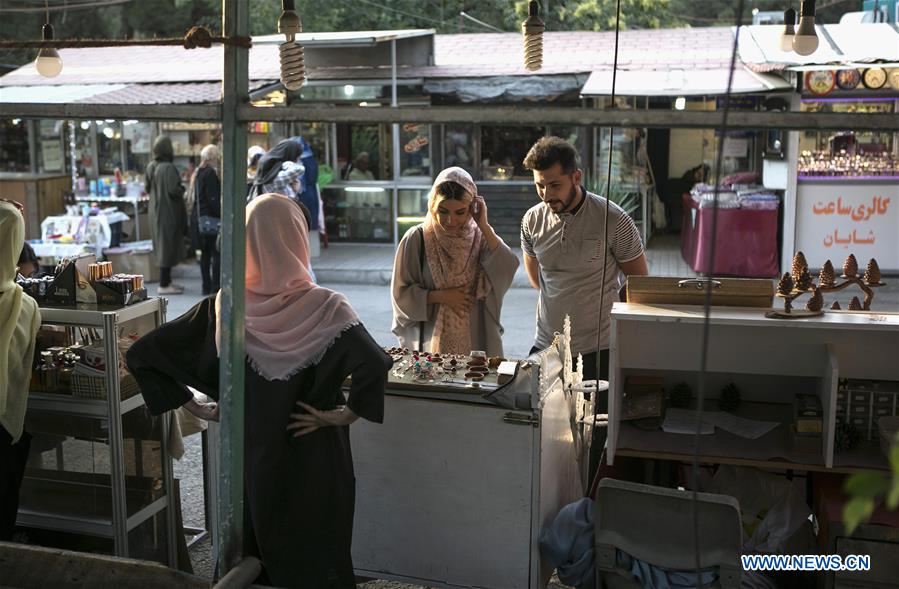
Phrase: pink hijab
[290,321]
[454,260]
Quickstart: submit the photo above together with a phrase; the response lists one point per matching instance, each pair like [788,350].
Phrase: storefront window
[415,150]
[138,145]
[503,150]
[14,146]
[109,147]
[358,213]
[412,207]
[459,148]
[51,155]
[363,152]
[848,153]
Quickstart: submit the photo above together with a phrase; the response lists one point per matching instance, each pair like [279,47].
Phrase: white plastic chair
[655,525]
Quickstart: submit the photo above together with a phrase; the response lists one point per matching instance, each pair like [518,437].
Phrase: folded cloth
[567,544]
[652,577]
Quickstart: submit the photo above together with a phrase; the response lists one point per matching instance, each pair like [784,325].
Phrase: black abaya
[301,491]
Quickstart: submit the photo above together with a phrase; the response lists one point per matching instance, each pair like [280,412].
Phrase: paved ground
[362,273]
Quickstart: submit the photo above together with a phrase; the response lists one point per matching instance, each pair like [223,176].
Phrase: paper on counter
[739,426]
[683,421]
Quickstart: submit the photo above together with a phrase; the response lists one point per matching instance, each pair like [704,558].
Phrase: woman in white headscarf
[451,273]
[19,322]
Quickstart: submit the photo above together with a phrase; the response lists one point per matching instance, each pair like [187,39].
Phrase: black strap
[421,267]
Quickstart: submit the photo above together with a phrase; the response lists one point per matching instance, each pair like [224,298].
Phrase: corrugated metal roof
[175,93]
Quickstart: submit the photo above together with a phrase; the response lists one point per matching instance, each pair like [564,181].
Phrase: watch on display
[848,79]
[820,82]
[874,78]
[893,78]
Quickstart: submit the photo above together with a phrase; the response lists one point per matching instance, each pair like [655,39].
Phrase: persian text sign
[835,219]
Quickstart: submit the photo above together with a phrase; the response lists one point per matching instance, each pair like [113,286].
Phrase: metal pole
[31,127]
[395,146]
[235,22]
[116,455]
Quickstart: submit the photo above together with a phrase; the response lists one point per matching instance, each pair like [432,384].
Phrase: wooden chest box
[726,292]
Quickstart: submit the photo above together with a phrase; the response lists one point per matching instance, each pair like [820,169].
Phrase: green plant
[868,488]
[629,201]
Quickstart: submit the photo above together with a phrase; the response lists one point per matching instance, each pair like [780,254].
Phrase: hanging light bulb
[48,62]
[786,38]
[293,64]
[805,41]
[533,28]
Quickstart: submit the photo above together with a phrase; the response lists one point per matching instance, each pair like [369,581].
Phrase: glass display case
[358,213]
[412,208]
[98,477]
[848,154]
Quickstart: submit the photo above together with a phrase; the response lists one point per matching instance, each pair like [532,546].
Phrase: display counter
[454,487]
[841,215]
[746,240]
[770,361]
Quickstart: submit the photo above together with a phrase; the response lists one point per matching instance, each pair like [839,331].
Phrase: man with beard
[564,250]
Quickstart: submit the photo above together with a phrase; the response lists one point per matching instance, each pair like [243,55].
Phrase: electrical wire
[605,241]
[707,302]
[76,6]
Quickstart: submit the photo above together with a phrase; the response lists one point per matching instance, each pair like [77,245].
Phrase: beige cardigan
[409,294]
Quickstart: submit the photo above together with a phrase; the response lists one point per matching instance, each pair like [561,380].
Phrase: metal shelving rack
[107,318]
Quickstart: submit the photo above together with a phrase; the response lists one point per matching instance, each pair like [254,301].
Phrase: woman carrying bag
[205,217]
[451,273]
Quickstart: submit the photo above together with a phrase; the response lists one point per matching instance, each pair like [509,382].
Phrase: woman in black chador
[302,341]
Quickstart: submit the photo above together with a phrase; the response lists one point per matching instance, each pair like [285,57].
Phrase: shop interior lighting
[680,103]
[364,189]
[805,41]
[48,62]
[532,29]
[349,89]
[108,132]
[85,125]
[786,38]
[293,63]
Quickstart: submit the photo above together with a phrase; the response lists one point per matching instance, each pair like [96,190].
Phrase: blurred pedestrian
[205,201]
[168,213]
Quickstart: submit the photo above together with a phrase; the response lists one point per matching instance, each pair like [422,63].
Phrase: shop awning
[180,93]
[507,88]
[678,82]
[839,45]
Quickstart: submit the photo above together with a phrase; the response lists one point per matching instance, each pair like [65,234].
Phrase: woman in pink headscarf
[302,341]
[451,273]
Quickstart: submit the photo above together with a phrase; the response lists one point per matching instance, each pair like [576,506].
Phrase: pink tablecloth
[746,246]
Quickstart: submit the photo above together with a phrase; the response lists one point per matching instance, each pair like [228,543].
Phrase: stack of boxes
[863,402]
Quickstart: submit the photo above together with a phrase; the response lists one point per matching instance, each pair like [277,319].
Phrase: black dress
[301,491]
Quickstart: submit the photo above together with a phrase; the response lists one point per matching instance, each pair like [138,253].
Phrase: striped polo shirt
[569,248]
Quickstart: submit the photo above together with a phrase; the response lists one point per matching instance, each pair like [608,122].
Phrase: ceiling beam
[485,114]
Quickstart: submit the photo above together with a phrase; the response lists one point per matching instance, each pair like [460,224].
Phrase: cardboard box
[127,261]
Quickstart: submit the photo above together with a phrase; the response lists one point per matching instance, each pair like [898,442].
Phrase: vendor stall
[454,488]
[847,195]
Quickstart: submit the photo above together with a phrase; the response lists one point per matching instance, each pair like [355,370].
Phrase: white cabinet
[452,490]
[770,360]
